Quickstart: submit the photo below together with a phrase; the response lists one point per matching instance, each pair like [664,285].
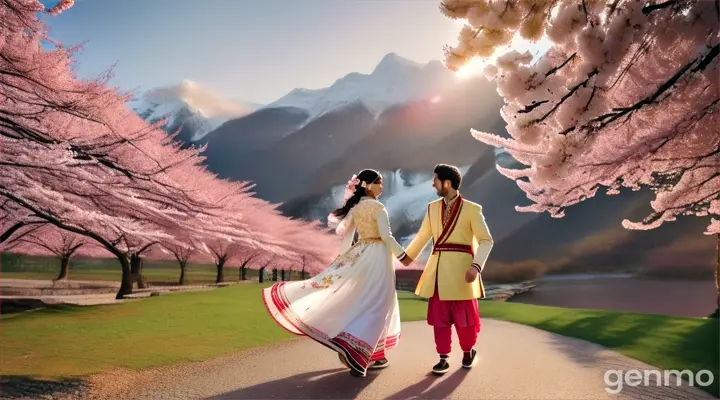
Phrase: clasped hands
[470,274]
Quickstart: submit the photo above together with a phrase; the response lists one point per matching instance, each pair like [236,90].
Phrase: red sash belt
[458,248]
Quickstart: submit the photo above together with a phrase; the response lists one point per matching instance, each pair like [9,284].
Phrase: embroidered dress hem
[358,353]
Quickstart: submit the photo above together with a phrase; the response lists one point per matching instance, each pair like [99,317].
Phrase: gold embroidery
[326,280]
[369,240]
[448,209]
[365,220]
[364,216]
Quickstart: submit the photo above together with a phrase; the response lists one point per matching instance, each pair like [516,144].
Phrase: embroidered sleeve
[383,223]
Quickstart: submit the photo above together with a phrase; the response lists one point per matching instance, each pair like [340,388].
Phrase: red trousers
[467,336]
[443,314]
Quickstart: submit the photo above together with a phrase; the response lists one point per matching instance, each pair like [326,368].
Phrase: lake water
[687,298]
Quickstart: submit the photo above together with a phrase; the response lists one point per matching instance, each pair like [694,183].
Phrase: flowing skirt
[351,307]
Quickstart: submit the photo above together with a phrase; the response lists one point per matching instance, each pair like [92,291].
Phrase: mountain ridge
[395,80]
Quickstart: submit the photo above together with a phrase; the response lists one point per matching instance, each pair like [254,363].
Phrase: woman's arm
[383,223]
[347,229]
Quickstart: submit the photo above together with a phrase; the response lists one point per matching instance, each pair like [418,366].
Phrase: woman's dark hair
[368,176]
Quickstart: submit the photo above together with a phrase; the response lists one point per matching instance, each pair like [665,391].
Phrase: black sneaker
[441,367]
[379,364]
[356,374]
[469,359]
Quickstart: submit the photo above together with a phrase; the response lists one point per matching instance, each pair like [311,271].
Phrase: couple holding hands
[352,308]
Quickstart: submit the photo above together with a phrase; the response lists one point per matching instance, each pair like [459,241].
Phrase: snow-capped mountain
[394,81]
[191,106]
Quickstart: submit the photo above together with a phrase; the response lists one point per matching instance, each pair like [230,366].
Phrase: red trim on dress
[358,353]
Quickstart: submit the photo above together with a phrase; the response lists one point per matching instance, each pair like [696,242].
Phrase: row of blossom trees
[79,170]
[627,96]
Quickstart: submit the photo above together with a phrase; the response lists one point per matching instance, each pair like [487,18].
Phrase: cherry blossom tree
[263,261]
[626,96]
[222,253]
[314,243]
[47,240]
[246,256]
[312,248]
[185,249]
[64,138]
[263,232]
[183,254]
[75,157]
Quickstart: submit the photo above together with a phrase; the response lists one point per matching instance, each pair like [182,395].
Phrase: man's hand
[407,261]
[471,274]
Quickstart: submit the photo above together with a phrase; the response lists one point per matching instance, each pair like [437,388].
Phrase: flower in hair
[352,183]
[351,186]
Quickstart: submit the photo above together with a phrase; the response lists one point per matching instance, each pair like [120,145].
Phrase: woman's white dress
[350,307]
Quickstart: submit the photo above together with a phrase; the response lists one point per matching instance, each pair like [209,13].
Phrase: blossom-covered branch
[627,96]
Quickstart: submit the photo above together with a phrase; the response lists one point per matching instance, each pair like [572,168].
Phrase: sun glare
[473,68]
[435,99]
[476,66]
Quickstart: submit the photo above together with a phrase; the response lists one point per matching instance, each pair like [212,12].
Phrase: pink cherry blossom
[75,158]
[626,96]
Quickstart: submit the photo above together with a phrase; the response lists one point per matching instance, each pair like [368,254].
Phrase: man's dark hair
[446,172]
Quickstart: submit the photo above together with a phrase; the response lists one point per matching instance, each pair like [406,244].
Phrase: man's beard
[441,192]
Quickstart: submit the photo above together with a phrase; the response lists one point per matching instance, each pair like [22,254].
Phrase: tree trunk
[220,276]
[64,269]
[181,282]
[243,273]
[302,274]
[243,269]
[261,275]
[126,284]
[136,266]
[282,275]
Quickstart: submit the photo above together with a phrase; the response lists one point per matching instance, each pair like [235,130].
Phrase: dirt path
[515,362]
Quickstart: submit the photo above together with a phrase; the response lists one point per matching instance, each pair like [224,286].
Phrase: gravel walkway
[515,362]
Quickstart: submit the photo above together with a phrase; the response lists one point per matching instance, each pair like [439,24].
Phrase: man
[451,279]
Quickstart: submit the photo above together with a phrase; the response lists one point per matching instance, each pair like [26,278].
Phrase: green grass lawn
[70,341]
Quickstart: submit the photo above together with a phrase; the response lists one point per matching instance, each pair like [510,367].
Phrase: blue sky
[254,51]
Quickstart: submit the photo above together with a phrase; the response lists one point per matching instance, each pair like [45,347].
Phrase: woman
[351,307]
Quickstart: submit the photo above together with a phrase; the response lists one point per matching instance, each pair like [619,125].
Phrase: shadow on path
[16,386]
[338,384]
[328,384]
[423,390]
